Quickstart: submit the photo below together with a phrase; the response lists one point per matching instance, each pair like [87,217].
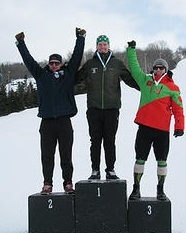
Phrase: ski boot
[135,195]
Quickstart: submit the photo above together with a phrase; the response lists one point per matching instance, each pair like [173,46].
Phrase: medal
[56,74]
[156,90]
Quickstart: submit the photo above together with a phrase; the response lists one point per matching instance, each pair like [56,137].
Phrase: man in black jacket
[100,78]
[55,85]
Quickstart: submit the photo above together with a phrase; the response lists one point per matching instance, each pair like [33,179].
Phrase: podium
[101,206]
[149,215]
[52,213]
[98,206]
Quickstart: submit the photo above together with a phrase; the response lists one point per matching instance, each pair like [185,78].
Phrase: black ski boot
[95,175]
[135,195]
[160,193]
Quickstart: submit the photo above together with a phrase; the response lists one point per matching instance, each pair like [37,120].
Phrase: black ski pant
[103,125]
[148,137]
[56,130]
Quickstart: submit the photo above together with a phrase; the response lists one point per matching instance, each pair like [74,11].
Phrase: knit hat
[55,57]
[102,38]
[161,62]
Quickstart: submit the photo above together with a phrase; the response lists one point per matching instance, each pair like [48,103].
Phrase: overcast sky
[49,26]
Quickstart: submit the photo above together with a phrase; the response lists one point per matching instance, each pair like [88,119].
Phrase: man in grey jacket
[100,78]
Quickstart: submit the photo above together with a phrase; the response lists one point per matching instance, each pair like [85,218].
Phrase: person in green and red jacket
[160,99]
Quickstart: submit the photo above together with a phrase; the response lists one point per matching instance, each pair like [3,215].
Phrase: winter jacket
[158,100]
[102,85]
[55,92]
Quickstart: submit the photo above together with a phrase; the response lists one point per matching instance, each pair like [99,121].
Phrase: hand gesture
[80,32]
[20,36]
[132,44]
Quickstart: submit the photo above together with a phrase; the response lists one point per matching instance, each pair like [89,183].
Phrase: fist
[132,44]
[20,36]
[80,32]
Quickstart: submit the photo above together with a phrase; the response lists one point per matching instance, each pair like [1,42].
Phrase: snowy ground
[21,167]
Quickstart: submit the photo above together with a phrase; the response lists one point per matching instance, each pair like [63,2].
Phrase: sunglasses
[54,63]
[159,67]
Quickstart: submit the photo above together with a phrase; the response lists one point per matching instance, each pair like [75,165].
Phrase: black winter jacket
[56,95]
[102,85]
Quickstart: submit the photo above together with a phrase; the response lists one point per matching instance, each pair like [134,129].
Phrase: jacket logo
[94,70]
[149,83]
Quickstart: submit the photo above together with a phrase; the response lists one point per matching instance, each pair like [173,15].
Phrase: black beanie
[55,57]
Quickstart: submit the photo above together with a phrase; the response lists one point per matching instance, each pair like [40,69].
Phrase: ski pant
[56,130]
[147,137]
[103,124]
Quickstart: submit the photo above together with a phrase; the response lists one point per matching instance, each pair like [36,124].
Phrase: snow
[21,174]
[14,83]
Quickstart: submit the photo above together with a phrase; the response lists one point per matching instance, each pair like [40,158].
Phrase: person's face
[55,65]
[159,70]
[102,47]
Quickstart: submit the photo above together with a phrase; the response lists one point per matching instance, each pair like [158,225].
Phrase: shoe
[135,195]
[47,188]
[95,175]
[68,187]
[111,175]
[160,194]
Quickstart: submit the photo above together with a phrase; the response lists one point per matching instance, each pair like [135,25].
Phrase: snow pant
[103,125]
[159,140]
[56,130]
[147,137]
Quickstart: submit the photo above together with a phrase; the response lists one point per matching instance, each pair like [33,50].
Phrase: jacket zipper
[102,93]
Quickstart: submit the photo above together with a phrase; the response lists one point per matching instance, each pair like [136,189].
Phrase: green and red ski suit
[158,101]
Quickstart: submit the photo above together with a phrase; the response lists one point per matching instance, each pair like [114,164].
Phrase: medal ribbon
[104,65]
[157,82]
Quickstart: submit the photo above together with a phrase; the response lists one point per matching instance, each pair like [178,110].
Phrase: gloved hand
[178,133]
[80,32]
[20,36]
[132,44]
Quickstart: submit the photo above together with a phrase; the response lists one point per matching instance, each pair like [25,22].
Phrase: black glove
[132,44]
[178,133]
[80,32]
[20,36]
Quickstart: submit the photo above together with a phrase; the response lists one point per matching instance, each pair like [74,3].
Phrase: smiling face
[102,47]
[54,65]
[159,70]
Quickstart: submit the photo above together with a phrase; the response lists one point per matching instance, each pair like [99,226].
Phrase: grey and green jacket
[100,78]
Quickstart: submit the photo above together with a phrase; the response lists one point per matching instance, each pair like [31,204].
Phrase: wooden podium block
[149,215]
[101,206]
[52,213]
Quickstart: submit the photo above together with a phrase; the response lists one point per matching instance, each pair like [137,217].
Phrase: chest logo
[94,70]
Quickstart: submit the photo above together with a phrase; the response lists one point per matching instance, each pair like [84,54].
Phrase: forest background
[19,92]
